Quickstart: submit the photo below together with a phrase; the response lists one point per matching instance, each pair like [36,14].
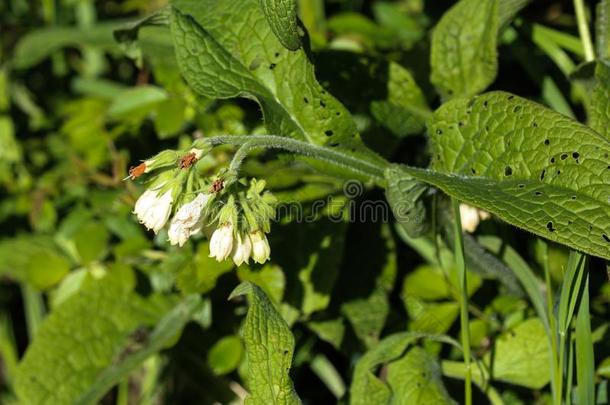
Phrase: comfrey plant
[236,213]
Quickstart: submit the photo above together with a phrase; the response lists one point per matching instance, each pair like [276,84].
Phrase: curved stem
[583,30]
[357,165]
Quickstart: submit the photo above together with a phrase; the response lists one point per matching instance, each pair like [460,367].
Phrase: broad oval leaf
[531,166]
[210,38]
[269,348]
[464,56]
[88,334]
[282,17]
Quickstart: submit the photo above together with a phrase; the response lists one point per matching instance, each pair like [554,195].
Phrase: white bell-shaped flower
[260,247]
[186,221]
[221,242]
[242,249]
[153,210]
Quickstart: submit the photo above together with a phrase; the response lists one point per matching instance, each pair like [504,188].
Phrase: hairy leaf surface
[227,49]
[464,56]
[81,338]
[532,167]
[269,348]
[282,17]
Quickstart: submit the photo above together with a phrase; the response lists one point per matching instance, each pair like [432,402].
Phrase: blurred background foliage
[77,109]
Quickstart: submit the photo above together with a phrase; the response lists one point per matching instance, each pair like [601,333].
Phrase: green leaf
[40,44]
[269,349]
[404,196]
[310,257]
[331,331]
[141,98]
[416,379]
[367,388]
[368,276]
[209,36]
[530,166]
[405,110]
[508,9]
[86,334]
[282,17]
[599,110]
[270,278]
[34,260]
[521,356]
[464,56]
[225,355]
[164,334]
[202,273]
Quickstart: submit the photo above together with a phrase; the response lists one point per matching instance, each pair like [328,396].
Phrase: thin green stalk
[556,372]
[585,358]
[34,309]
[357,165]
[463,287]
[583,30]
[568,299]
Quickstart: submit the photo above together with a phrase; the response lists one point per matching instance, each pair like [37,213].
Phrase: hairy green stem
[356,165]
[463,290]
[583,30]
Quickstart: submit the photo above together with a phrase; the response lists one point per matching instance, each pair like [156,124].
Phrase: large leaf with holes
[282,17]
[531,166]
[228,49]
[269,348]
[464,56]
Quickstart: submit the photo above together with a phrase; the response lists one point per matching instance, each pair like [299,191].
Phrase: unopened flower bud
[221,242]
[242,249]
[260,247]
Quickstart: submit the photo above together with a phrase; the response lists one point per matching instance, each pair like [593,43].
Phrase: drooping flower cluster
[239,213]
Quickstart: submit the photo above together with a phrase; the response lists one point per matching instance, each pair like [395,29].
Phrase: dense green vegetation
[304,201]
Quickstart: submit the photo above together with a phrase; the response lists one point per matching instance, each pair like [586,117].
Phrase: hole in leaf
[606,238]
[535,125]
[521,185]
[547,142]
[575,155]
[508,171]
[542,174]
[328,133]
[549,226]
[439,131]
[552,160]
[473,171]
[573,197]
[277,54]
[558,172]
[305,100]
[517,109]
[337,113]
[272,66]
[461,124]
[485,103]
[322,104]
[511,97]
[538,193]
[334,144]
[564,156]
